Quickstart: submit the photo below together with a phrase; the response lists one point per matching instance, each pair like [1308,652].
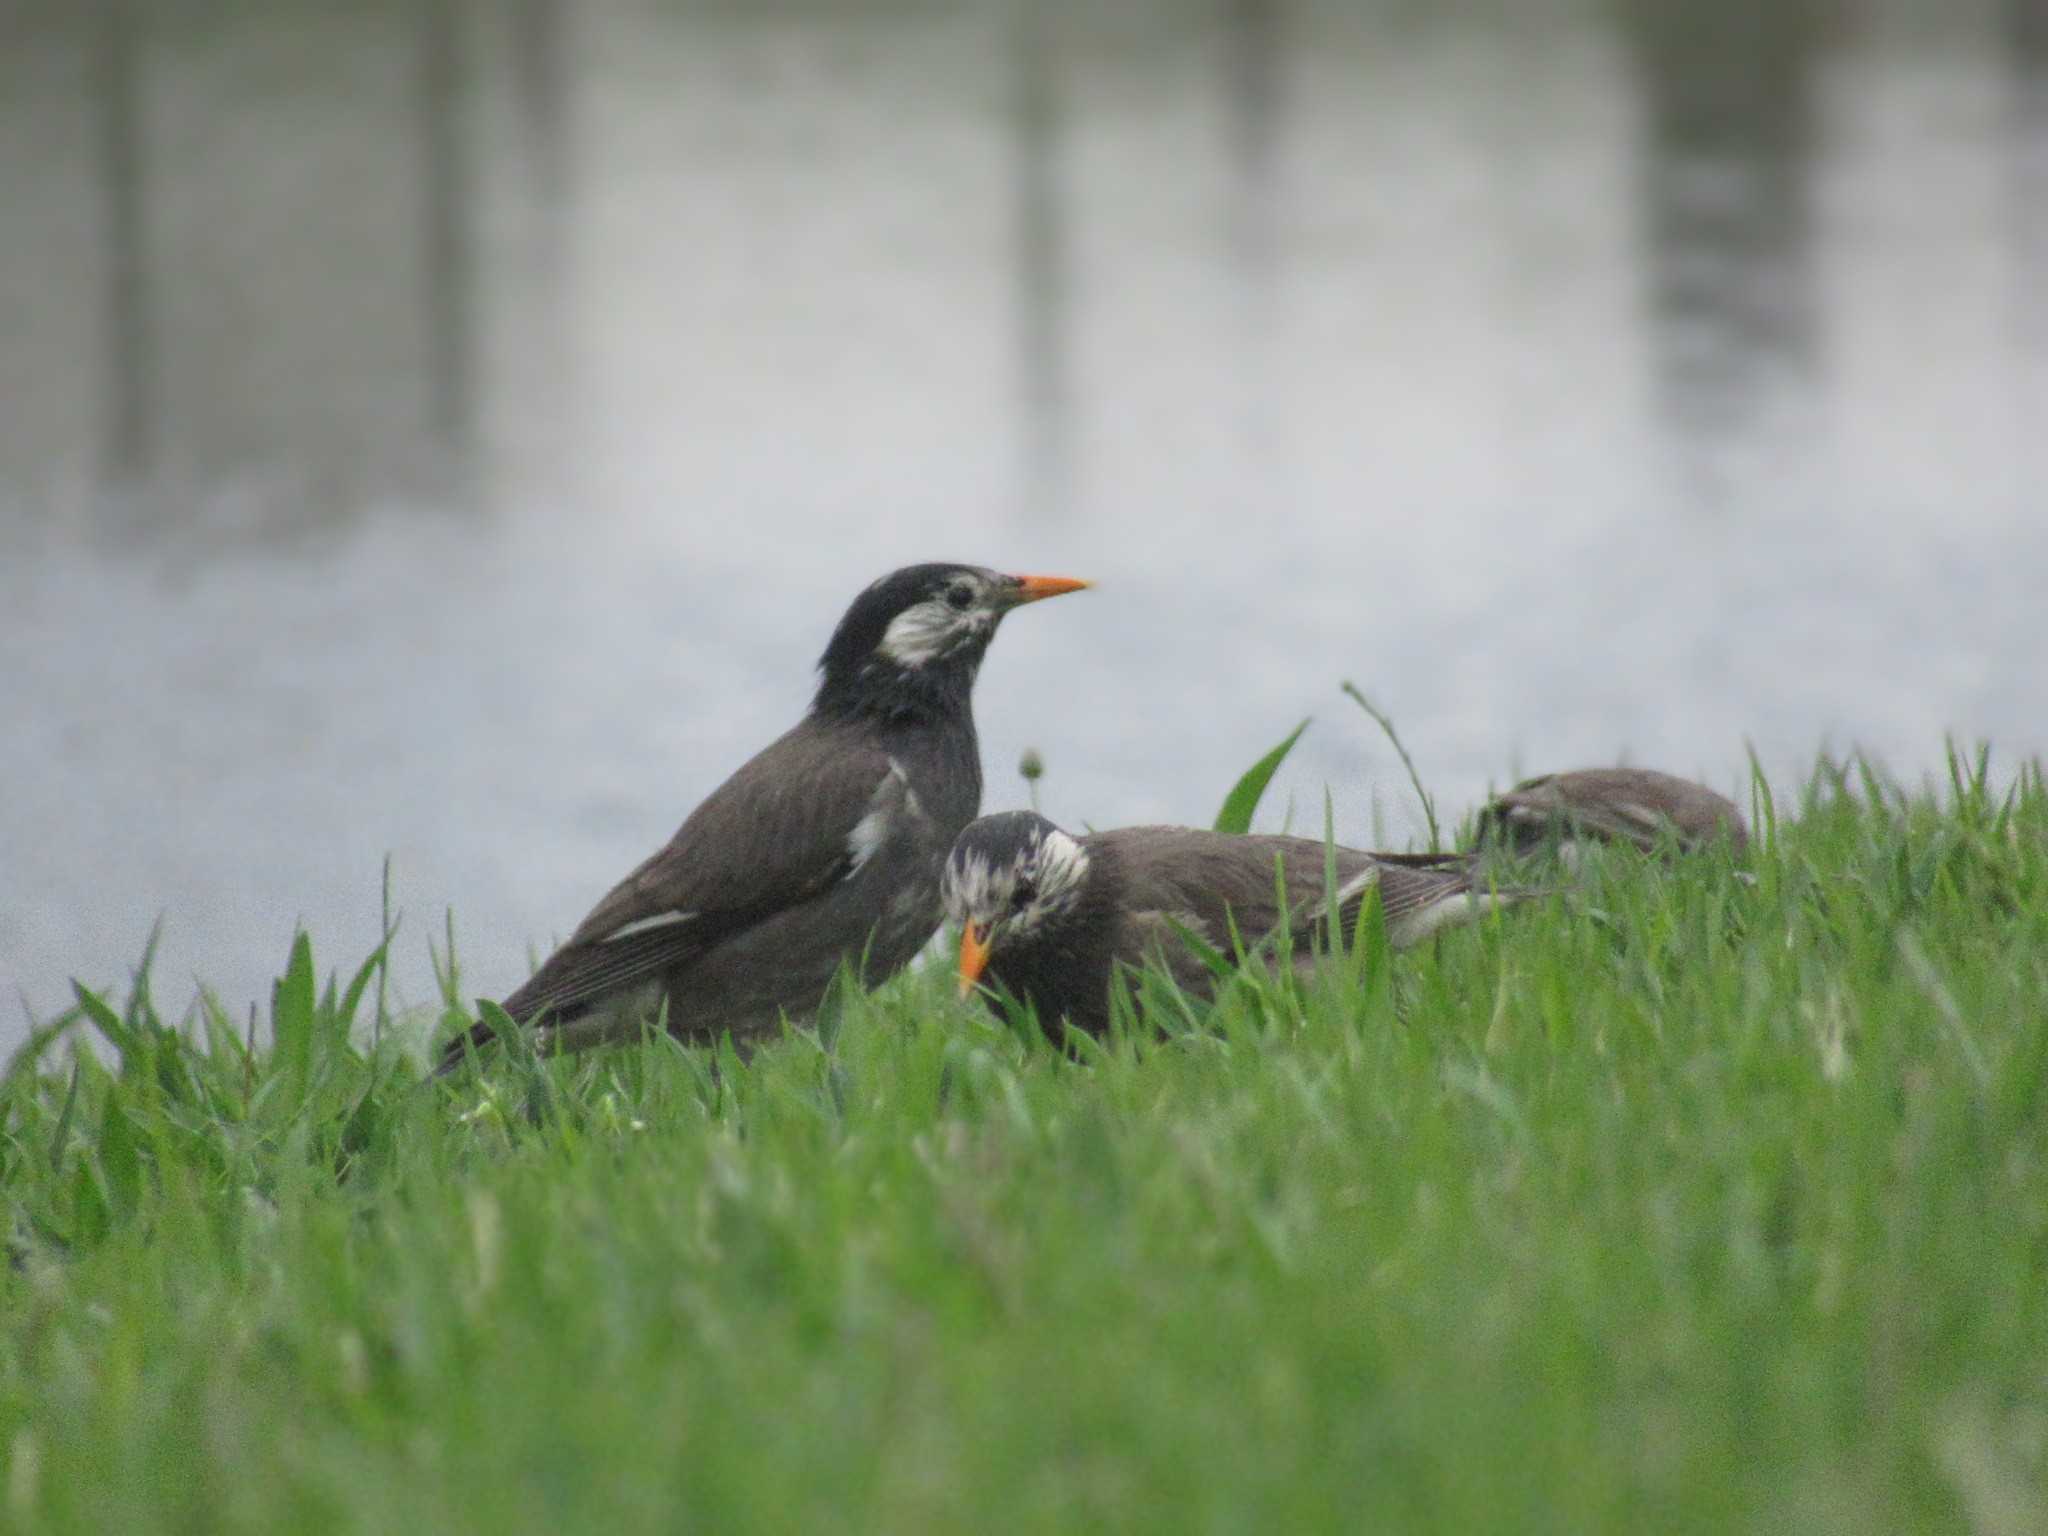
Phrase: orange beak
[1031,589]
[974,948]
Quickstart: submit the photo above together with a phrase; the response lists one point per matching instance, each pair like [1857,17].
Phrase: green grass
[1680,1204]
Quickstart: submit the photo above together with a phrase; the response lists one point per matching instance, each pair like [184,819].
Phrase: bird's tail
[1423,894]
[459,1049]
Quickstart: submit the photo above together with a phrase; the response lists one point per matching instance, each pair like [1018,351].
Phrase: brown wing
[1409,884]
[1220,886]
[1410,898]
[1633,805]
[1213,882]
[776,834]
[1208,882]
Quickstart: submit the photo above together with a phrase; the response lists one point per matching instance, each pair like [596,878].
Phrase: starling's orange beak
[1032,588]
[974,948]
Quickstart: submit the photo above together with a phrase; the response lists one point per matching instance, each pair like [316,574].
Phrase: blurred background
[451,429]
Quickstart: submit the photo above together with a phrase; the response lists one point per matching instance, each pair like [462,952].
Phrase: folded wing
[794,821]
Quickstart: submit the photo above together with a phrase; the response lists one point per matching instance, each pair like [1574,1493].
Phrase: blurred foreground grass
[1674,1204]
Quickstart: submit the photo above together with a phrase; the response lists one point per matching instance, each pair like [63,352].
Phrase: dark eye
[960,597]
[1024,893]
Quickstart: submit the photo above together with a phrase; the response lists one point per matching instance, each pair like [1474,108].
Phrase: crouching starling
[1054,918]
[1624,805]
[825,848]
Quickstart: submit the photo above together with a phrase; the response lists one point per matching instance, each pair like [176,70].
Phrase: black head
[1009,876]
[911,644]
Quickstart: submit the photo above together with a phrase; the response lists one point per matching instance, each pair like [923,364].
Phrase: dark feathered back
[1633,805]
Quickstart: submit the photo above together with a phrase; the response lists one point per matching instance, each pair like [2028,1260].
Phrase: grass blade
[292,1009]
[1386,724]
[62,1133]
[1243,800]
[102,1017]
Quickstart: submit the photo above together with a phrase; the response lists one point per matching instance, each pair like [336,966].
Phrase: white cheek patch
[974,889]
[917,635]
[1064,864]
[920,635]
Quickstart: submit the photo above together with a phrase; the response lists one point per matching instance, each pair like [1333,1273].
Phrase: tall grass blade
[1386,724]
[351,999]
[292,1011]
[103,1018]
[389,927]
[1763,808]
[62,1133]
[22,1066]
[1242,802]
[140,1015]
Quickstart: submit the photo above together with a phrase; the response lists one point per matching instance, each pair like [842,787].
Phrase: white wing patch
[1355,886]
[912,806]
[866,838]
[1412,927]
[1445,912]
[892,795]
[647,925]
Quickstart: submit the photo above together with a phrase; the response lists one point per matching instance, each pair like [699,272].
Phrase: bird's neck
[892,695]
[1066,973]
[1101,897]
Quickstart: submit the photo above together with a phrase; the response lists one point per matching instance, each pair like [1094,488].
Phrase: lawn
[1671,1202]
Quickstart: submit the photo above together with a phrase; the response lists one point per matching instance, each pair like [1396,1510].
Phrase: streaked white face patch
[1016,896]
[925,631]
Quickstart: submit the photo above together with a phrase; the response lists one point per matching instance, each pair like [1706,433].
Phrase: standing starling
[824,849]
